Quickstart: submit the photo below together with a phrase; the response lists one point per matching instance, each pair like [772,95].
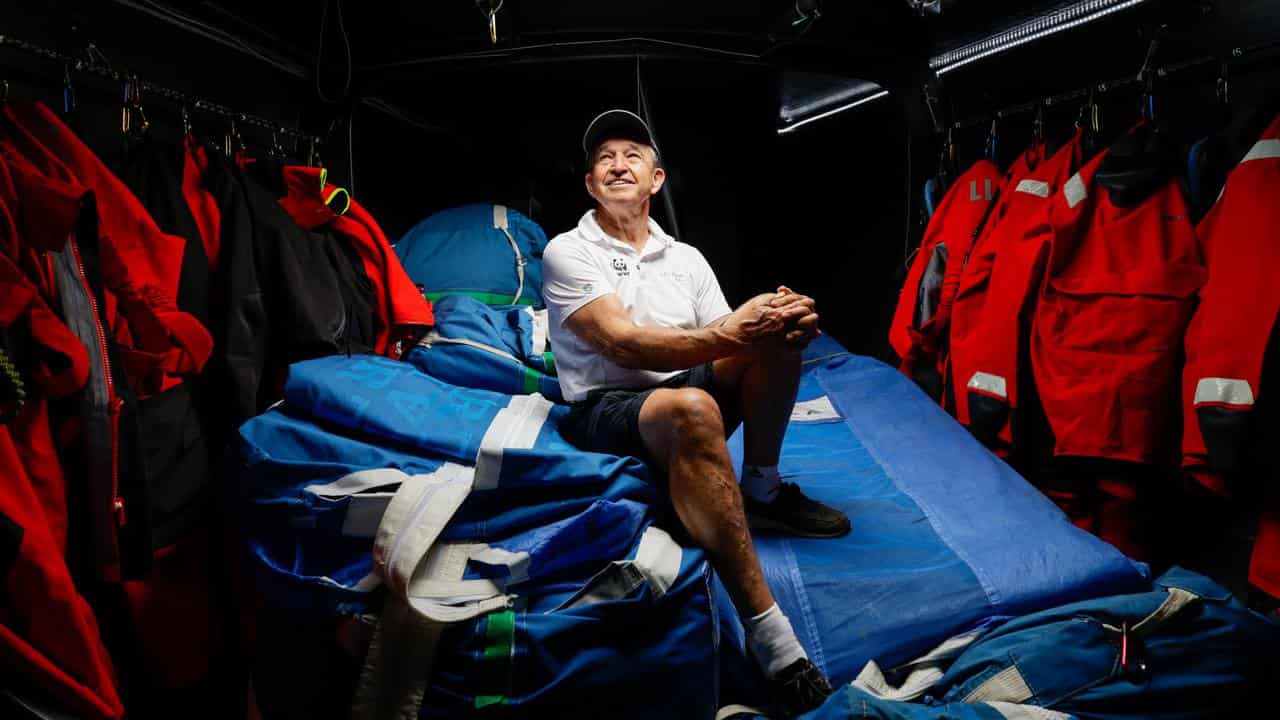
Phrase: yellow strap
[346,200]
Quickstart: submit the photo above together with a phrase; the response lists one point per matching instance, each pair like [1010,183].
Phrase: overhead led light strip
[1055,22]
[833,111]
[1064,18]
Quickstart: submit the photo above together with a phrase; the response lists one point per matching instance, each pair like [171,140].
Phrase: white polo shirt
[668,284]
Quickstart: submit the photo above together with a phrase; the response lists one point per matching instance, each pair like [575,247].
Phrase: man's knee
[690,413]
[676,422]
[694,412]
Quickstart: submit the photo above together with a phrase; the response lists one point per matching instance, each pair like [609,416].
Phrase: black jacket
[281,294]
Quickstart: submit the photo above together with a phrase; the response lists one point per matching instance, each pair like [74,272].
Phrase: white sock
[760,482]
[772,641]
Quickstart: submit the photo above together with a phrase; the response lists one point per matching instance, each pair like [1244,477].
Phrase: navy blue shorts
[608,420]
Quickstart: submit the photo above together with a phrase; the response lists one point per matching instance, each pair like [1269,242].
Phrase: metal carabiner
[228,137]
[491,12]
[132,107]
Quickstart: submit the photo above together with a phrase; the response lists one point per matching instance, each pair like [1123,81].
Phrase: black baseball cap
[617,124]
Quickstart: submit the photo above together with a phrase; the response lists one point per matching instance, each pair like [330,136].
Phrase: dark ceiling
[388,33]
[434,59]
[384,33]
[392,51]
[389,44]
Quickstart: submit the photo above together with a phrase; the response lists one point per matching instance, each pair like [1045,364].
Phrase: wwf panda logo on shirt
[620,267]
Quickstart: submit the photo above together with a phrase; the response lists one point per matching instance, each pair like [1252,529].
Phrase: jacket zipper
[434,337]
[113,402]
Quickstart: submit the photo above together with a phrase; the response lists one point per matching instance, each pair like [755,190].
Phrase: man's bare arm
[605,325]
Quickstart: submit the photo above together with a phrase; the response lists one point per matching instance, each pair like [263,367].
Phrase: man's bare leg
[684,433]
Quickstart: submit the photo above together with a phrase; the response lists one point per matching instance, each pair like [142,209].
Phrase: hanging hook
[1037,125]
[946,159]
[809,13]
[1147,75]
[68,91]
[186,121]
[1089,118]
[929,100]
[992,138]
[1223,89]
[126,115]
[230,137]
[277,149]
[1095,115]
[1150,57]
[124,109]
[133,119]
[313,152]
[96,57]
[490,8]
[142,115]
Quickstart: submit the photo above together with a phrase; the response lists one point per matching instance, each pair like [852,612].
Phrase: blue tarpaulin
[945,535]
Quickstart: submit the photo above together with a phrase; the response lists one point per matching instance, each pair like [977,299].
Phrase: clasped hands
[784,316]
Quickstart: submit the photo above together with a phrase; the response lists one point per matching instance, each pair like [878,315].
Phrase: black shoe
[793,513]
[799,688]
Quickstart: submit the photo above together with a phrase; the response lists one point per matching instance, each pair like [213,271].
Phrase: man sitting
[657,366]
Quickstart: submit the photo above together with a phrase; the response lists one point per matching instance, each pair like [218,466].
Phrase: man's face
[624,172]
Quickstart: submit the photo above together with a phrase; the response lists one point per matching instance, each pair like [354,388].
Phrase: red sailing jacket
[1119,288]
[133,348]
[48,633]
[140,265]
[974,274]
[919,330]
[62,368]
[86,306]
[403,313]
[1227,340]
[986,332]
